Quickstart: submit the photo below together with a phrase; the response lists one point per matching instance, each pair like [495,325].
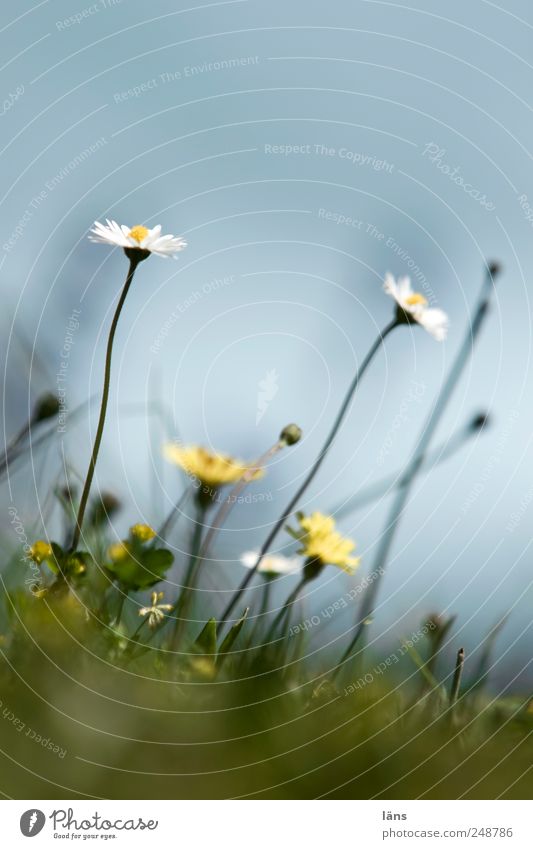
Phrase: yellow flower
[317,524]
[320,541]
[213,470]
[118,551]
[40,551]
[144,533]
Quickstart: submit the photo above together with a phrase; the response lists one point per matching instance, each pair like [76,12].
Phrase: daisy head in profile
[139,239]
[271,565]
[212,469]
[413,307]
[208,470]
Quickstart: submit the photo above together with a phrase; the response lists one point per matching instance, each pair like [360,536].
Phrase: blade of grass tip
[413,467]
[339,419]
[437,637]
[206,641]
[457,675]
[229,639]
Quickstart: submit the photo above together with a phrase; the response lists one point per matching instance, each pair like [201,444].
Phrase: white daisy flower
[271,564]
[139,237]
[414,306]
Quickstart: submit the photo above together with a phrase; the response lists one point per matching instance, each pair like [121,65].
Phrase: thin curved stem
[315,468]
[387,485]
[284,609]
[182,604]
[173,515]
[10,451]
[231,499]
[416,461]
[103,406]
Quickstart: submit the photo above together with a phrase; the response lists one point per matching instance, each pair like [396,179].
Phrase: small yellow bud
[40,551]
[144,533]
[118,551]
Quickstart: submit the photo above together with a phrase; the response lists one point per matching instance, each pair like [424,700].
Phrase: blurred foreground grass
[80,720]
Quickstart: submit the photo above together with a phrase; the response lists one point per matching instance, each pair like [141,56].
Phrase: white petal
[405,290]
[390,287]
[435,321]
[249,559]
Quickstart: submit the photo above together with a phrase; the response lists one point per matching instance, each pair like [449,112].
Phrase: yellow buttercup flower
[144,533]
[213,470]
[40,551]
[320,541]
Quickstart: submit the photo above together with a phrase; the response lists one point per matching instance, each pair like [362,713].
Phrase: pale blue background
[379,78]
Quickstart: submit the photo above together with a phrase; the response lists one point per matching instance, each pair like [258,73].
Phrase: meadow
[121,677]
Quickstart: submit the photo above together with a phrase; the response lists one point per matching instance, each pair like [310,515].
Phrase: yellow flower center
[138,233]
[416,298]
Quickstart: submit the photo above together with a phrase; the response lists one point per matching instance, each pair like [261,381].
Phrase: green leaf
[158,560]
[142,569]
[232,635]
[206,641]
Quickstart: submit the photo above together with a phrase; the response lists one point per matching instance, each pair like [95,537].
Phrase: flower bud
[46,407]
[143,533]
[102,509]
[480,421]
[291,434]
[495,268]
[40,551]
[118,551]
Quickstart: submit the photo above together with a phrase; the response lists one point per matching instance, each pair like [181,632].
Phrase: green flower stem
[138,628]
[182,604]
[265,605]
[173,515]
[345,406]
[134,261]
[285,609]
[120,608]
[416,461]
[11,451]
[225,508]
